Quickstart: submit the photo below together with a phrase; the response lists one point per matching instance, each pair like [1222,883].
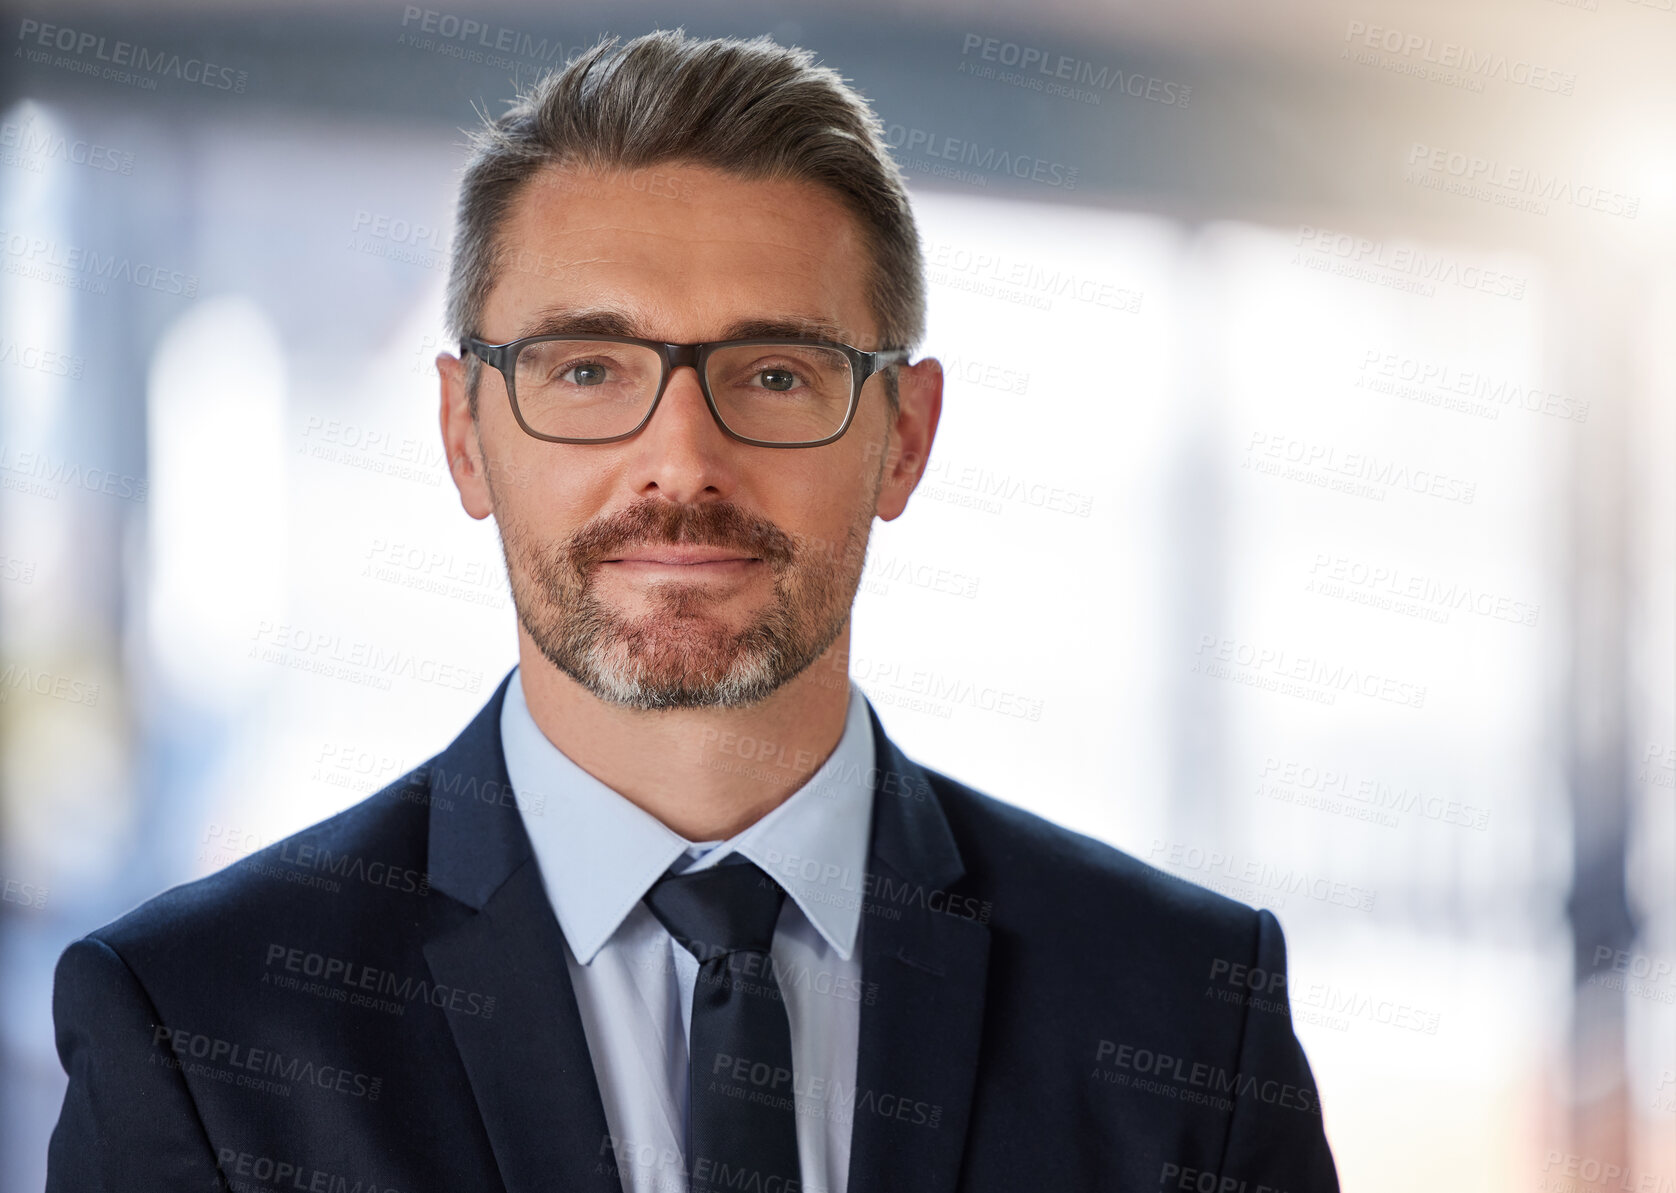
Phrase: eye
[777,379]
[587,372]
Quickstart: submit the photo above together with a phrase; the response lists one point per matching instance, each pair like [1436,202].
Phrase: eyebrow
[609,321]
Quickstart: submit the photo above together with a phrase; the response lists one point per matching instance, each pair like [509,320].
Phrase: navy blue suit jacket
[381,1002]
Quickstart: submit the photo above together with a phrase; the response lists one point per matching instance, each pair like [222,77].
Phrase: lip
[672,556]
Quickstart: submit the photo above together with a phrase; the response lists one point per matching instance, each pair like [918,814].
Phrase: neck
[706,773]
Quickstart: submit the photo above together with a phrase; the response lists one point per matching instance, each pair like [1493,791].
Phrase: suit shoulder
[1009,848]
[363,847]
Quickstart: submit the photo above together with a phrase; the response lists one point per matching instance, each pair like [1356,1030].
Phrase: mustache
[656,522]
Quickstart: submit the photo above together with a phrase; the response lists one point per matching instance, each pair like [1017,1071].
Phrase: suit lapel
[528,1063]
[928,954]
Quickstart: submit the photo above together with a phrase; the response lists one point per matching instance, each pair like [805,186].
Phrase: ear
[920,405]
[459,438]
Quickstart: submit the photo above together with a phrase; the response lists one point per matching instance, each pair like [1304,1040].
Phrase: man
[674,912]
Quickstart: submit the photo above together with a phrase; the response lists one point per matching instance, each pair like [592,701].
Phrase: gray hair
[754,108]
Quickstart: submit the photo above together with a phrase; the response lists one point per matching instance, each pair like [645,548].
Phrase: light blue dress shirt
[599,854]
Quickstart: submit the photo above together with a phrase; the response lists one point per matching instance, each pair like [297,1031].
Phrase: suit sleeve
[128,1122]
[1276,1137]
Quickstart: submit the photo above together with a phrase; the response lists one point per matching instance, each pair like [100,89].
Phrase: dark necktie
[742,1119]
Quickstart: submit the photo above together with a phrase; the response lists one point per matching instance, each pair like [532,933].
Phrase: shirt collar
[599,853]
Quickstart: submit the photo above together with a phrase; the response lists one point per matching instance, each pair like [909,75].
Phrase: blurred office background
[1300,521]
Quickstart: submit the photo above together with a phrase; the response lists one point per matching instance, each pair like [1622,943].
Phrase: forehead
[683,250]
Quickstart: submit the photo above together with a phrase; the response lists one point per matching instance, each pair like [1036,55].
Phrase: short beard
[675,656]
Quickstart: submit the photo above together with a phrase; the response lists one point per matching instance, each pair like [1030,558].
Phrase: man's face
[600,538]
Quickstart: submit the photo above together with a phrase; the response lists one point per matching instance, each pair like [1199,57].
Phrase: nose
[682,451]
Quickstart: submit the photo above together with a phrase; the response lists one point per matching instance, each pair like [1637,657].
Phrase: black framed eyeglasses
[766,392]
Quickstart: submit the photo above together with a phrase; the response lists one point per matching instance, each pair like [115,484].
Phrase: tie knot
[728,908]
